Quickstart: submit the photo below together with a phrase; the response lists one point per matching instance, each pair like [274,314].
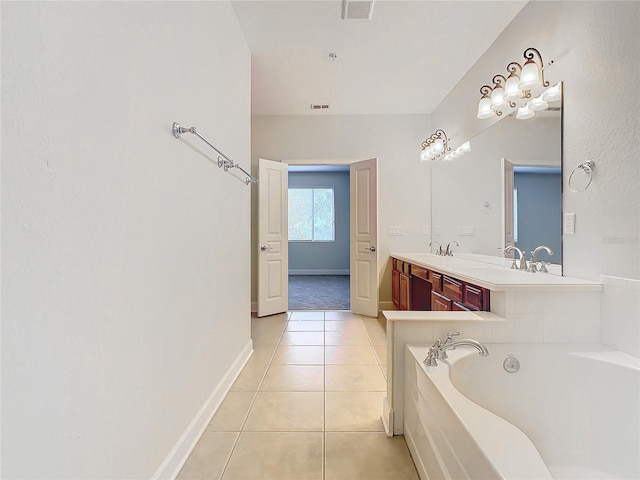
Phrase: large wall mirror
[509,183]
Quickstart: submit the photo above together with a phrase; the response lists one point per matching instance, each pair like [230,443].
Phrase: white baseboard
[319,272]
[175,460]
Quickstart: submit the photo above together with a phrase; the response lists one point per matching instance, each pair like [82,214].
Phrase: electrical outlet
[569,223]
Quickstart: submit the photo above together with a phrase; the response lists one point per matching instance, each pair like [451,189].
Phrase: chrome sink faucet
[534,259]
[439,349]
[449,252]
[439,251]
[522,262]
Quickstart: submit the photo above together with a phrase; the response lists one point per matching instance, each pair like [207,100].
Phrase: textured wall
[594,46]
[125,273]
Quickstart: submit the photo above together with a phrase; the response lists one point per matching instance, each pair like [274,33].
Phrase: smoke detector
[357,9]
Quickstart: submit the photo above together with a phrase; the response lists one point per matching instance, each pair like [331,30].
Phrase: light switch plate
[569,223]
[394,231]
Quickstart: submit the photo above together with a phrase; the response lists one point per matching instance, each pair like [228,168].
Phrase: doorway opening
[318,237]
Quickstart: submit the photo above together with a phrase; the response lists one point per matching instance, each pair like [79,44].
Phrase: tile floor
[306,406]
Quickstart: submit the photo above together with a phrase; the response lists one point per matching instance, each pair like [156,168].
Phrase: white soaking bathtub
[569,412]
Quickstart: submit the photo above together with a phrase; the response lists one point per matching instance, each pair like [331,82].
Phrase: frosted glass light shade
[498,102]
[537,104]
[524,113]
[552,94]
[438,146]
[465,147]
[424,155]
[484,108]
[511,90]
[530,76]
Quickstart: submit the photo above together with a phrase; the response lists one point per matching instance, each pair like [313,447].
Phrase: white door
[273,238]
[507,204]
[364,237]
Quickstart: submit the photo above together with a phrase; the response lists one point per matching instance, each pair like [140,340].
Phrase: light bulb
[530,76]
[498,102]
[524,113]
[484,108]
[511,90]
[424,155]
[537,104]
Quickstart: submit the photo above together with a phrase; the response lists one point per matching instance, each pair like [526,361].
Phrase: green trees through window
[311,215]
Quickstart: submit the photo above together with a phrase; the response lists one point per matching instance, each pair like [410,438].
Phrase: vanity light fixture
[514,92]
[435,146]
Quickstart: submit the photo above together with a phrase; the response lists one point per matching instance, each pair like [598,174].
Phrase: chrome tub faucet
[438,351]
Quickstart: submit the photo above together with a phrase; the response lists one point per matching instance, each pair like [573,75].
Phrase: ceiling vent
[319,106]
[357,9]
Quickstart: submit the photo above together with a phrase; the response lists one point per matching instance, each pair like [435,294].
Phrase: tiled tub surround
[525,308]
[306,406]
[570,411]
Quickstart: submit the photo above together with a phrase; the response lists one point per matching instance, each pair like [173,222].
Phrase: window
[311,215]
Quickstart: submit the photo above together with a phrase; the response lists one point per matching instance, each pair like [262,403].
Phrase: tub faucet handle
[450,336]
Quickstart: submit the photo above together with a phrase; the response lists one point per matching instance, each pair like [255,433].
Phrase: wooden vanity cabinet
[414,287]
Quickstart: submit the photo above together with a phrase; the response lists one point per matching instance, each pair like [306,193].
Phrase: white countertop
[496,277]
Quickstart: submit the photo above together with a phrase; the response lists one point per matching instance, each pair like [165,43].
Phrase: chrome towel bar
[223,161]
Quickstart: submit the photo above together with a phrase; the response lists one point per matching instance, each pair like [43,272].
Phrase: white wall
[126,270]
[403,181]
[594,46]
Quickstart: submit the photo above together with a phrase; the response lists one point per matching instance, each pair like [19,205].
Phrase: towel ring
[586,167]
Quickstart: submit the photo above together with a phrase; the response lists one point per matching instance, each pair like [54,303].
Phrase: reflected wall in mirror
[506,191]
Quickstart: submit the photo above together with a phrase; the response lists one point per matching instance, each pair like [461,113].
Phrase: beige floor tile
[305,326]
[294,378]
[354,378]
[346,338]
[337,315]
[287,412]
[299,355]
[276,456]
[381,353]
[209,457]
[253,372]
[354,411]
[306,316]
[342,326]
[367,456]
[302,338]
[350,355]
[232,412]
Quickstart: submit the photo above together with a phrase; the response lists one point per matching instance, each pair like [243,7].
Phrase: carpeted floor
[319,292]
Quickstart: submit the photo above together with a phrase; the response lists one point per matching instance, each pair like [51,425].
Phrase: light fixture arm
[485,90]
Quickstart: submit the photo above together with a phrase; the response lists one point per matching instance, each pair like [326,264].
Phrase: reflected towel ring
[586,167]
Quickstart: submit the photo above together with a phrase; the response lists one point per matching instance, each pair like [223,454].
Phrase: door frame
[329,161]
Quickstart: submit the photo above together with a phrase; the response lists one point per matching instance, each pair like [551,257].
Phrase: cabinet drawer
[452,288]
[440,303]
[420,272]
[475,297]
[436,280]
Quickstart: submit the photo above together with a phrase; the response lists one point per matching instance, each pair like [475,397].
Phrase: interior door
[507,204]
[273,241]
[364,237]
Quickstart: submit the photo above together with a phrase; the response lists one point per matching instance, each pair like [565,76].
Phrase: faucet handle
[450,336]
[543,267]
[532,268]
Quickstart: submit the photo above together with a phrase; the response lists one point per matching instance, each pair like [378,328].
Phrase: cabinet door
[405,292]
[395,288]
[440,303]
[458,307]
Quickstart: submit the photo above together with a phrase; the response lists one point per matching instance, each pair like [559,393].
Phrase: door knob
[373,249]
[264,248]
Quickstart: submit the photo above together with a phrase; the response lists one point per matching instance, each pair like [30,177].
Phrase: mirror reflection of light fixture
[458,152]
[435,146]
[514,92]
